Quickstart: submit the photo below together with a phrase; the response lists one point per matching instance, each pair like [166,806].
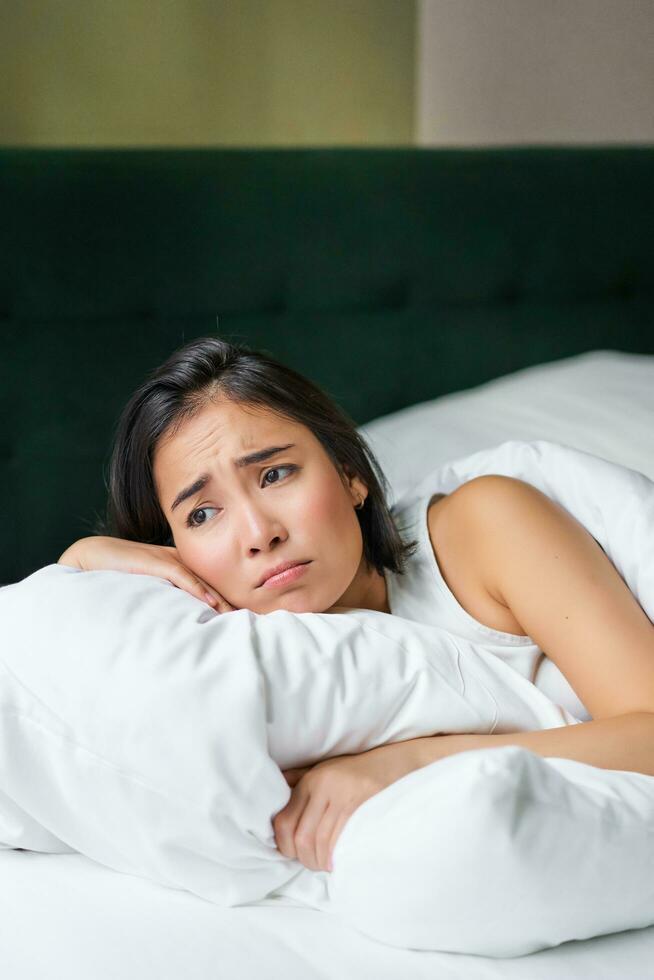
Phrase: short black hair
[211,367]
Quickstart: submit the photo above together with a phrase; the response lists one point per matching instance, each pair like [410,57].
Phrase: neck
[366,591]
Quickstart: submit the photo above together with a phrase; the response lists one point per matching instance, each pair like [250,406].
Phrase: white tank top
[421,594]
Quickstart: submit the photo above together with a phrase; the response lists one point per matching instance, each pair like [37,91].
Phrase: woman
[228,466]
[210,403]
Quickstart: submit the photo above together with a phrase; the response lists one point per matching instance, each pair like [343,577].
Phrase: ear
[358,489]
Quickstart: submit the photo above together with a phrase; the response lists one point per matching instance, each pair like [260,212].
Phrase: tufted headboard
[389,276]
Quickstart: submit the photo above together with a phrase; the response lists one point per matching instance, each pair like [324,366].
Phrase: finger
[325,834]
[210,595]
[306,832]
[215,598]
[285,822]
[218,603]
[192,584]
[336,833]
[196,587]
[187,580]
[293,776]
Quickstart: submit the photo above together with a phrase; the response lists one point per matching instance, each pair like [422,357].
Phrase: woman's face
[248,518]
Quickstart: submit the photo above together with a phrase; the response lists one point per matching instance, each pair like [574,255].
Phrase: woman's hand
[326,795]
[119,555]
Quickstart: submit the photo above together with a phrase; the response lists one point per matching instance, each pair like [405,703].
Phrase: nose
[260,529]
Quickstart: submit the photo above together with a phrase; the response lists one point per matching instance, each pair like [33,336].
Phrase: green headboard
[388,276]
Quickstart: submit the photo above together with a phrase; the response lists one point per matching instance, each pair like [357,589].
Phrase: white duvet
[147,732]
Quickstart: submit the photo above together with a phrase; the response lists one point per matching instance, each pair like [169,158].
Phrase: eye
[200,510]
[190,522]
[276,469]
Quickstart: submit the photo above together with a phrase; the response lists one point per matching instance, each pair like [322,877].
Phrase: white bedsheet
[601,401]
[64,917]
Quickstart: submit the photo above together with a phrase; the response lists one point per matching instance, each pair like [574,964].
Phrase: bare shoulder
[480,487]
[456,522]
[551,573]
[454,518]
[478,496]
[484,508]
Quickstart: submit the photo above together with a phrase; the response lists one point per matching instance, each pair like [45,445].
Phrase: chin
[297,604]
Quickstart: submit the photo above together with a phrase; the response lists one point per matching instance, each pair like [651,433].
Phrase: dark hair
[178,390]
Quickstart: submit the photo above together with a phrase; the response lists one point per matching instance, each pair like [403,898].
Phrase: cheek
[326,512]
[204,559]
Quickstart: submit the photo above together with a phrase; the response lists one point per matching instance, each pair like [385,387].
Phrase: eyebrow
[260,456]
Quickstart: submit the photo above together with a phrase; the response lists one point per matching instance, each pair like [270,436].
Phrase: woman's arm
[538,561]
[325,795]
[106,553]
[624,742]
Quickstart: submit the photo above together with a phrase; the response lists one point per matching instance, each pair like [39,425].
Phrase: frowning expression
[243,491]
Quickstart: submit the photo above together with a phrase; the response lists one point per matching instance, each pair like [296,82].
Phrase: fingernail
[211,599]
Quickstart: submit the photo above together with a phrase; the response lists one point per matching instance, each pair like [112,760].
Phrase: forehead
[224,429]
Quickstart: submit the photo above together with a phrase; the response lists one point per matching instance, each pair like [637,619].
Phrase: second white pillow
[498,852]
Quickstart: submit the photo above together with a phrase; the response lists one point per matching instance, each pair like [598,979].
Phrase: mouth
[288,572]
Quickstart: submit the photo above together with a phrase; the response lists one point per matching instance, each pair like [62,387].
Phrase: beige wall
[206,72]
[535,71]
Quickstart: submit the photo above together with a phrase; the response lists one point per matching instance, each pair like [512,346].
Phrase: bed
[491,295]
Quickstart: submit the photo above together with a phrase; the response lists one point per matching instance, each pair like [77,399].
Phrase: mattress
[62,915]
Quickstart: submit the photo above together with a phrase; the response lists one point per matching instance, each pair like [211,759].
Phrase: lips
[279,568]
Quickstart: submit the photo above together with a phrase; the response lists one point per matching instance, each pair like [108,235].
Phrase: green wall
[207,72]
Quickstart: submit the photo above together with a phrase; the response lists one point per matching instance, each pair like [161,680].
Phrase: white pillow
[498,852]
[146,731]
[601,402]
